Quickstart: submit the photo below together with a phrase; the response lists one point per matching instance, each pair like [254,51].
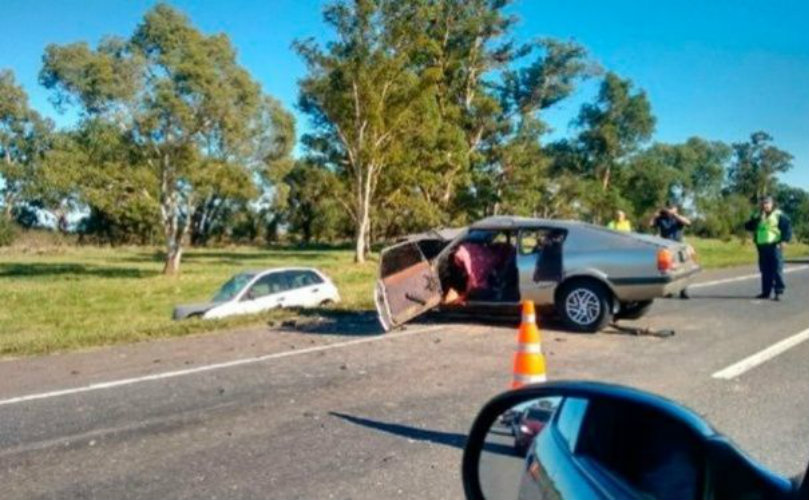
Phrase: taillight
[665,260]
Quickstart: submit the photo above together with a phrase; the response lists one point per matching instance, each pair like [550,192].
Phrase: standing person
[771,229]
[670,225]
[620,222]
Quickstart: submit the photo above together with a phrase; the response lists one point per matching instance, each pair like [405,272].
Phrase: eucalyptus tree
[363,97]
[180,97]
[24,138]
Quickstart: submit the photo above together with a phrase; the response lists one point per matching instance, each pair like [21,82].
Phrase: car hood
[185,310]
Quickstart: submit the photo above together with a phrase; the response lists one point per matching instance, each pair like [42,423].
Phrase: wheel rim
[582,306]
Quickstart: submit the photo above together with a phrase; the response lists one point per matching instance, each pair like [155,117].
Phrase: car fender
[590,273]
[221,311]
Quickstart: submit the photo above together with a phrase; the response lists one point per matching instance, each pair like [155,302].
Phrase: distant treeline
[422,114]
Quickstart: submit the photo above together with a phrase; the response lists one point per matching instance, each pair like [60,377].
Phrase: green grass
[717,253]
[68,297]
[76,297]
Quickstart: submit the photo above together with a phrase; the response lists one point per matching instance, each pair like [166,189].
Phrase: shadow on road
[451,439]
[723,297]
[40,269]
[325,321]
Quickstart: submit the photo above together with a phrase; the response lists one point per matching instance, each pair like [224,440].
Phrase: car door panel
[409,285]
[540,265]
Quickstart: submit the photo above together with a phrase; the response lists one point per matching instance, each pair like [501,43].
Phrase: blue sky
[719,69]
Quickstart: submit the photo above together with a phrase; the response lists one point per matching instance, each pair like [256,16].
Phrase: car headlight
[525,429]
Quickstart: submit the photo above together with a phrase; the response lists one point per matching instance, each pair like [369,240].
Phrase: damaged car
[589,275]
[252,292]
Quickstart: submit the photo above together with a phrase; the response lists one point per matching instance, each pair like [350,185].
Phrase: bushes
[8,232]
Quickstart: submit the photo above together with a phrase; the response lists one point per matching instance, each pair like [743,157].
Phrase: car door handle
[315,290]
[280,299]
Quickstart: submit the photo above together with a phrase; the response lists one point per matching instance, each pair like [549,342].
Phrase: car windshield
[232,287]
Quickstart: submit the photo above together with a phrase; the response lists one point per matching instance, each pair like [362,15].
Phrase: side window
[532,240]
[300,279]
[570,420]
[535,240]
[269,284]
[502,238]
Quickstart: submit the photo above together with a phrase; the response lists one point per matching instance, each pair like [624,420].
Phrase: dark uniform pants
[771,265]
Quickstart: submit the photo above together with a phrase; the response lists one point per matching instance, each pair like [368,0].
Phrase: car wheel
[634,310]
[584,305]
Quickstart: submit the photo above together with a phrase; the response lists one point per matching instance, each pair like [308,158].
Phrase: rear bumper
[646,288]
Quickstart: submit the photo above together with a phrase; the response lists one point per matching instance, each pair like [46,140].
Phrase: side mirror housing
[577,440]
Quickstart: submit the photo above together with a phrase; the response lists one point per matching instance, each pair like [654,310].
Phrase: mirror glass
[575,448]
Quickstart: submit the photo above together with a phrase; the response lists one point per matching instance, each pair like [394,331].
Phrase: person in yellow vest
[620,222]
[771,229]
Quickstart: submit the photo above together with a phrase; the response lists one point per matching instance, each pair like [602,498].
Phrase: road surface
[340,411]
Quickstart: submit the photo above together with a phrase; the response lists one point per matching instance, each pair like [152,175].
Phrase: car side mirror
[249,295]
[577,440]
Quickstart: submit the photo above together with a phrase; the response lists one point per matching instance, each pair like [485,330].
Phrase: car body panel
[313,291]
[192,310]
[404,293]
[626,263]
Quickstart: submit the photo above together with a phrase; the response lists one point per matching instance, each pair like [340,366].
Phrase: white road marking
[762,356]
[745,277]
[207,368]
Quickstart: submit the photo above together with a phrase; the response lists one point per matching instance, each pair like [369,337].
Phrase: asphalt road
[339,411]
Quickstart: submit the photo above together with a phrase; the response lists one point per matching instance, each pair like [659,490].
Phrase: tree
[99,167]
[756,165]
[795,203]
[24,137]
[691,173]
[191,111]
[613,127]
[362,98]
[314,211]
[519,165]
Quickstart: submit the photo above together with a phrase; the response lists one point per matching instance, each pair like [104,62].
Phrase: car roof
[256,272]
[501,222]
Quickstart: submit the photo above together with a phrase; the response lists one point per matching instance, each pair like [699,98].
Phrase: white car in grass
[255,291]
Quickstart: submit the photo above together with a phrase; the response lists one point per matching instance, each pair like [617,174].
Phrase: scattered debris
[639,331]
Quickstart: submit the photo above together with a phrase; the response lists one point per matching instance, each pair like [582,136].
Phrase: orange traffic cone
[529,363]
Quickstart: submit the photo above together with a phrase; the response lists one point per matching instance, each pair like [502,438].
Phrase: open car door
[408,285]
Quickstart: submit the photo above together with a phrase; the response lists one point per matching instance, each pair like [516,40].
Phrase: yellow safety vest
[623,225]
[767,231]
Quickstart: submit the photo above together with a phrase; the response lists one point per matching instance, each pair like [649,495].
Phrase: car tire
[634,310]
[584,305]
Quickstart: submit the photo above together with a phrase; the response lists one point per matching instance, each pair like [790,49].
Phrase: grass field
[74,297]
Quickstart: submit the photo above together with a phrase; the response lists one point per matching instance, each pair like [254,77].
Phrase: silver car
[588,273]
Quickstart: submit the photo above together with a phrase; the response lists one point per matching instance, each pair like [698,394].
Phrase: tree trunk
[364,215]
[173,254]
[605,183]
[359,249]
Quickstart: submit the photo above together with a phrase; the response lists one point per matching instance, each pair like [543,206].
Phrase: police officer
[771,229]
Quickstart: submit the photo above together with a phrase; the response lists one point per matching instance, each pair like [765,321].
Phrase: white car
[255,291]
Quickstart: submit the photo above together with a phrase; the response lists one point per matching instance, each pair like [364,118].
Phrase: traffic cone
[529,363]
